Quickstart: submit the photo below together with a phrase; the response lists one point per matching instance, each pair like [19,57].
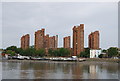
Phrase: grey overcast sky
[58,18]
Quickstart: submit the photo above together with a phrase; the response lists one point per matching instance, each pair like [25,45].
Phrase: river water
[59,70]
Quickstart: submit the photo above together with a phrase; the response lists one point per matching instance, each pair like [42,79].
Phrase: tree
[40,52]
[56,53]
[85,54]
[118,55]
[82,54]
[100,56]
[51,52]
[104,51]
[32,51]
[19,51]
[112,51]
[63,52]
[29,52]
[59,52]
[12,53]
[13,48]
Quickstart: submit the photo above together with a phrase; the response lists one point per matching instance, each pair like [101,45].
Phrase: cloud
[59,18]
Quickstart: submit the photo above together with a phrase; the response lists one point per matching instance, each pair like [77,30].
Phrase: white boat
[20,57]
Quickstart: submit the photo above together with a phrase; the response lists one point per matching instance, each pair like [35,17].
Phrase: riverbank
[97,60]
[103,60]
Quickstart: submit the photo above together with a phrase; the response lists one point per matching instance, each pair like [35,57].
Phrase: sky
[58,18]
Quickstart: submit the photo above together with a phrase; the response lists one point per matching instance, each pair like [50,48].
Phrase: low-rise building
[95,53]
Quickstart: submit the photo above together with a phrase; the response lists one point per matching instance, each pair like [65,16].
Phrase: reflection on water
[59,70]
[0,71]
[93,71]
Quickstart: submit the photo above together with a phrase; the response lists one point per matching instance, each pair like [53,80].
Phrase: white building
[95,53]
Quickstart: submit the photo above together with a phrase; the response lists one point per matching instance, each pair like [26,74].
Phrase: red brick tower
[25,41]
[78,39]
[94,40]
[66,42]
[46,41]
[56,41]
[39,39]
[52,42]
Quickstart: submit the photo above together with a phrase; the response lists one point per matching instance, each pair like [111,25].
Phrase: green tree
[12,53]
[56,53]
[40,52]
[13,48]
[51,52]
[112,51]
[82,54]
[63,52]
[85,54]
[100,56]
[19,51]
[118,55]
[104,51]
[59,52]
[29,52]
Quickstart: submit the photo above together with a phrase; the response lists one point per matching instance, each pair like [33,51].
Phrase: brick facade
[47,42]
[53,42]
[94,40]
[39,39]
[25,41]
[66,42]
[78,39]
[44,41]
[56,41]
